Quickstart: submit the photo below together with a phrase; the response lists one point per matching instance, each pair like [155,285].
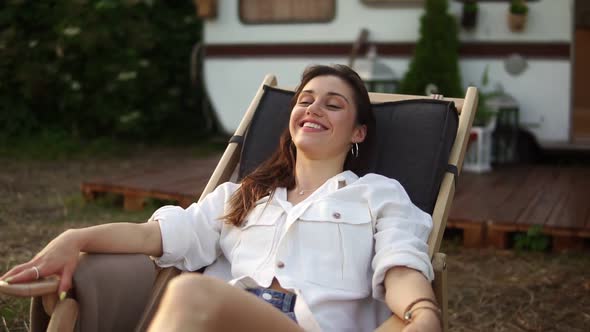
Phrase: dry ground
[490,290]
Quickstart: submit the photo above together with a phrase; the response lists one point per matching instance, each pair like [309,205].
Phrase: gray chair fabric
[268,123]
[112,292]
[412,145]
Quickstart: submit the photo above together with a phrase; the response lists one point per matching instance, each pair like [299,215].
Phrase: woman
[302,234]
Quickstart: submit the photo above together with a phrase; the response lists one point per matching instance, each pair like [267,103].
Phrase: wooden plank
[566,243]
[540,194]
[166,167]
[484,195]
[191,188]
[506,183]
[156,178]
[516,203]
[182,183]
[544,201]
[481,200]
[440,213]
[440,286]
[133,173]
[64,317]
[468,200]
[190,175]
[133,202]
[572,209]
[497,235]
[473,232]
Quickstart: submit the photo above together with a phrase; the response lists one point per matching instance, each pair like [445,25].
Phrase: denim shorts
[285,302]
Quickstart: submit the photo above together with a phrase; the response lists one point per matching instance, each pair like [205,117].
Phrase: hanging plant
[469,15]
[206,8]
[517,15]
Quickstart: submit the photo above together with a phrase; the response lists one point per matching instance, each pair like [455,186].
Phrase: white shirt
[332,249]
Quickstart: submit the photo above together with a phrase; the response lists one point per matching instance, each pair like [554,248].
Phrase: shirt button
[280,264]
[336,215]
[266,296]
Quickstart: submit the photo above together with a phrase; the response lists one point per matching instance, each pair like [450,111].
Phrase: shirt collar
[331,185]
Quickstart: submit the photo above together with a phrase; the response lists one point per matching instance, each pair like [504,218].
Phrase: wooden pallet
[474,233]
[181,183]
[490,207]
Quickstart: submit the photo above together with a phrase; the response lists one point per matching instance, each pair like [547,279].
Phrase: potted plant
[517,15]
[479,153]
[469,15]
[485,113]
[206,8]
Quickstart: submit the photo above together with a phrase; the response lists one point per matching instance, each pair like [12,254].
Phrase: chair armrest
[440,287]
[36,288]
[64,317]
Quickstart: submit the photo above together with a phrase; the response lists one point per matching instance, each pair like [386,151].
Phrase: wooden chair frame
[63,313]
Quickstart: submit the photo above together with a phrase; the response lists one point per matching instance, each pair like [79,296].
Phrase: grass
[106,207]
[40,197]
[56,145]
[20,242]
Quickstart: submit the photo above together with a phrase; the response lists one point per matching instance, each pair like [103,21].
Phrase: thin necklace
[302,192]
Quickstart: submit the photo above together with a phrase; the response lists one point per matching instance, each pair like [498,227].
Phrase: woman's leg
[194,302]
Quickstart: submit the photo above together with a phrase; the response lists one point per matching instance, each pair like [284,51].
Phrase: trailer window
[286,11]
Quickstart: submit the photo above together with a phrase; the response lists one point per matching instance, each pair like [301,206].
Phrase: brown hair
[278,170]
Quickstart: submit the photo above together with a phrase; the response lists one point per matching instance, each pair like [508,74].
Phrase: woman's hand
[424,320]
[59,257]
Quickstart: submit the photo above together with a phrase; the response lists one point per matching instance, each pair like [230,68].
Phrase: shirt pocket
[256,237]
[336,241]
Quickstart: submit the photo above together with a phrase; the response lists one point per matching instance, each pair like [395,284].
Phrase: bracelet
[408,314]
[409,311]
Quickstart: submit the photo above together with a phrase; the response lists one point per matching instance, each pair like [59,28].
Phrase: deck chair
[421,142]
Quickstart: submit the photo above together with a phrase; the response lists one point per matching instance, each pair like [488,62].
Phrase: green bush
[470,6]
[519,7]
[532,240]
[93,69]
[436,56]
[484,112]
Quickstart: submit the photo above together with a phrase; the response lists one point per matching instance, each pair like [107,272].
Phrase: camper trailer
[541,69]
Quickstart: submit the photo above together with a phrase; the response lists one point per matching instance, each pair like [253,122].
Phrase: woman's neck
[311,174]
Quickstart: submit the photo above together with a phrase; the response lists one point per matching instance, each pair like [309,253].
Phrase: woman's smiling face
[323,122]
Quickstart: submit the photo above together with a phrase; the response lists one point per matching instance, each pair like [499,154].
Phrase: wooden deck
[182,183]
[487,207]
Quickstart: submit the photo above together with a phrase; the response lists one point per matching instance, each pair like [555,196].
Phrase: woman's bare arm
[144,238]
[403,286]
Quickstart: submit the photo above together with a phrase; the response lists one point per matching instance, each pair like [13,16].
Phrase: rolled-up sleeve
[401,232]
[190,237]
